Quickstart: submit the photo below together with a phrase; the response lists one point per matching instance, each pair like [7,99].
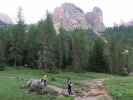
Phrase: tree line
[39,46]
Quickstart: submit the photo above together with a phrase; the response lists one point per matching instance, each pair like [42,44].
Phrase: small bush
[53,70]
[53,79]
[2,67]
[124,72]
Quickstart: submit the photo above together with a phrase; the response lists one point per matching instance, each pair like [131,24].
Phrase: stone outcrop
[5,20]
[71,17]
[95,19]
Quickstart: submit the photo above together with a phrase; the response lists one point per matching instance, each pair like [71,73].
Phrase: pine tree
[17,40]
[47,56]
[32,45]
[80,50]
[64,49]
[98,60]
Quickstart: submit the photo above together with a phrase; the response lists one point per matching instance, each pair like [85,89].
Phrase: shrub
[124,72]
[53,79]
[2,67]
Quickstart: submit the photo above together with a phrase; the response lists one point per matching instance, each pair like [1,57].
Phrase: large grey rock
[71,17]
[35,85]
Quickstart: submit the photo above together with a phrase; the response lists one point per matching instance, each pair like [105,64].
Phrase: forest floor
[120,88]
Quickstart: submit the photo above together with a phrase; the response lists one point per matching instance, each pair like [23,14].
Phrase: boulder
[36,85]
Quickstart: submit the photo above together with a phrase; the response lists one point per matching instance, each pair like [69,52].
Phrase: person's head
[45,75]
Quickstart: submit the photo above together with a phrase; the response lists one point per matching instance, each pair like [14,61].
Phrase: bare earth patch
[93,90]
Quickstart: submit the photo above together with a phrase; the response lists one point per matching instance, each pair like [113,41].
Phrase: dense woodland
[39,46]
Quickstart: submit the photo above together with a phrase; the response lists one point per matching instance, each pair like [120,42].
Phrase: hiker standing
[69,86]
[44,79]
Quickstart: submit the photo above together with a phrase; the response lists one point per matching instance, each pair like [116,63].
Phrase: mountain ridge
[72,17]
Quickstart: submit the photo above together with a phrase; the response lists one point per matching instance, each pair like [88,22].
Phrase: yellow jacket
[45,77]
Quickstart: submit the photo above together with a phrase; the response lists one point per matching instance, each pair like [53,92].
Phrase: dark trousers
[44,82]
[69,90]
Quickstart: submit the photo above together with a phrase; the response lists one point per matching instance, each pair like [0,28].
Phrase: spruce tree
[80,50]
[17,40]
[31,46]
[98,60]
[47,56]
[64,49]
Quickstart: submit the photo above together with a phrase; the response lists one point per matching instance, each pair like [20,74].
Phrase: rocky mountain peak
[95,19]
[97,10]
[70,6]
[70,17]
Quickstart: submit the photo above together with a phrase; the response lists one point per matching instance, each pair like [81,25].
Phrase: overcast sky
[34,10]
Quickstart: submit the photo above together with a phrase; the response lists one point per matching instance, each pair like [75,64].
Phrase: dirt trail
[93,90]
[85,98]
[57,89]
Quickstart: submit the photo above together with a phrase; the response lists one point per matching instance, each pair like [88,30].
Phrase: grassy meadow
[12,79]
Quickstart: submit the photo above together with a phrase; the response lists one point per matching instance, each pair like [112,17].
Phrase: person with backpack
[44,79]
[69,87]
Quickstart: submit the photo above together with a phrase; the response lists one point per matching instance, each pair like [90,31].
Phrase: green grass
[121,88]
[11,81]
